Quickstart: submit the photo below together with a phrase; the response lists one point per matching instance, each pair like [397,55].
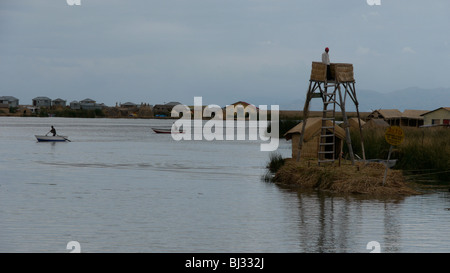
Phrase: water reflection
[333,223]
[114,189]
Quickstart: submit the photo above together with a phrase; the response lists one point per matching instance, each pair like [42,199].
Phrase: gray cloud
[255,50]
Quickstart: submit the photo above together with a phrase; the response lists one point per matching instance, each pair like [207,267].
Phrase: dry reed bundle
[344,72]
[318,72]
[349,179]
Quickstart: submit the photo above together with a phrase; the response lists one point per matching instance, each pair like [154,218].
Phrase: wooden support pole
[305,117]
[387,162]
[346,126]
[355,100]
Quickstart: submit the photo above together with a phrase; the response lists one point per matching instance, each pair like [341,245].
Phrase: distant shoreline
[115,112]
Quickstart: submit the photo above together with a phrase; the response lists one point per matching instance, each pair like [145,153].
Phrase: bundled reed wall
[341,72]
[318,72]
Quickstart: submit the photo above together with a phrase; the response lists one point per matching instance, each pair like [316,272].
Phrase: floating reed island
[361,178]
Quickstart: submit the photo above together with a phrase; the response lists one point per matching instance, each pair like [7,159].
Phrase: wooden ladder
[326,152]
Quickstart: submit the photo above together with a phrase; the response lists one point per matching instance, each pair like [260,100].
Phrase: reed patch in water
[352,179]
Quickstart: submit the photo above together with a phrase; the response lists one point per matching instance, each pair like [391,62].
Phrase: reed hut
[391,116]
[375,123]
[412,118]
[311,138]
[353,123]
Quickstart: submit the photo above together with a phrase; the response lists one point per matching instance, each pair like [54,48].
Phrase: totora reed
[348,179]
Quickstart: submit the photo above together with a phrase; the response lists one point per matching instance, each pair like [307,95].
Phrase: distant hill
[408,98]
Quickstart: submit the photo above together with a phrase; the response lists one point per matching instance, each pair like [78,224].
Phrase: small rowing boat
[165,131]
[45,138]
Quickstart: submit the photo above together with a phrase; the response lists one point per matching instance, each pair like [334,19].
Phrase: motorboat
[46,138]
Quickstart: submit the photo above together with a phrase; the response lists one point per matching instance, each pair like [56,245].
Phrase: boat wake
[164,167]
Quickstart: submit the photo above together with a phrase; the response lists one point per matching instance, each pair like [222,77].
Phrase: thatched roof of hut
[414,114]
[374,123]
[386,114]
[353,123]
[313,127]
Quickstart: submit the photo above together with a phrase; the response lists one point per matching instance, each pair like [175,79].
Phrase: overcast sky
[260,51]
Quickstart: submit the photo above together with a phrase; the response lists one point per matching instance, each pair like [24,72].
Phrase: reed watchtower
[333,92]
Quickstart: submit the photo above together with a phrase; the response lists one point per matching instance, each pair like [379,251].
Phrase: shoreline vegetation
[424,151]
[422,158]
[287,118]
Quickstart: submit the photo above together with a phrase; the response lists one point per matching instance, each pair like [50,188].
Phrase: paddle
[64,138]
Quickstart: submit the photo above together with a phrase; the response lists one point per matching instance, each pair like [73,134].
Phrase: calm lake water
[119,187]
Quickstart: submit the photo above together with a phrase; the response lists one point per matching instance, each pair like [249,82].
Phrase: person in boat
[53,131]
